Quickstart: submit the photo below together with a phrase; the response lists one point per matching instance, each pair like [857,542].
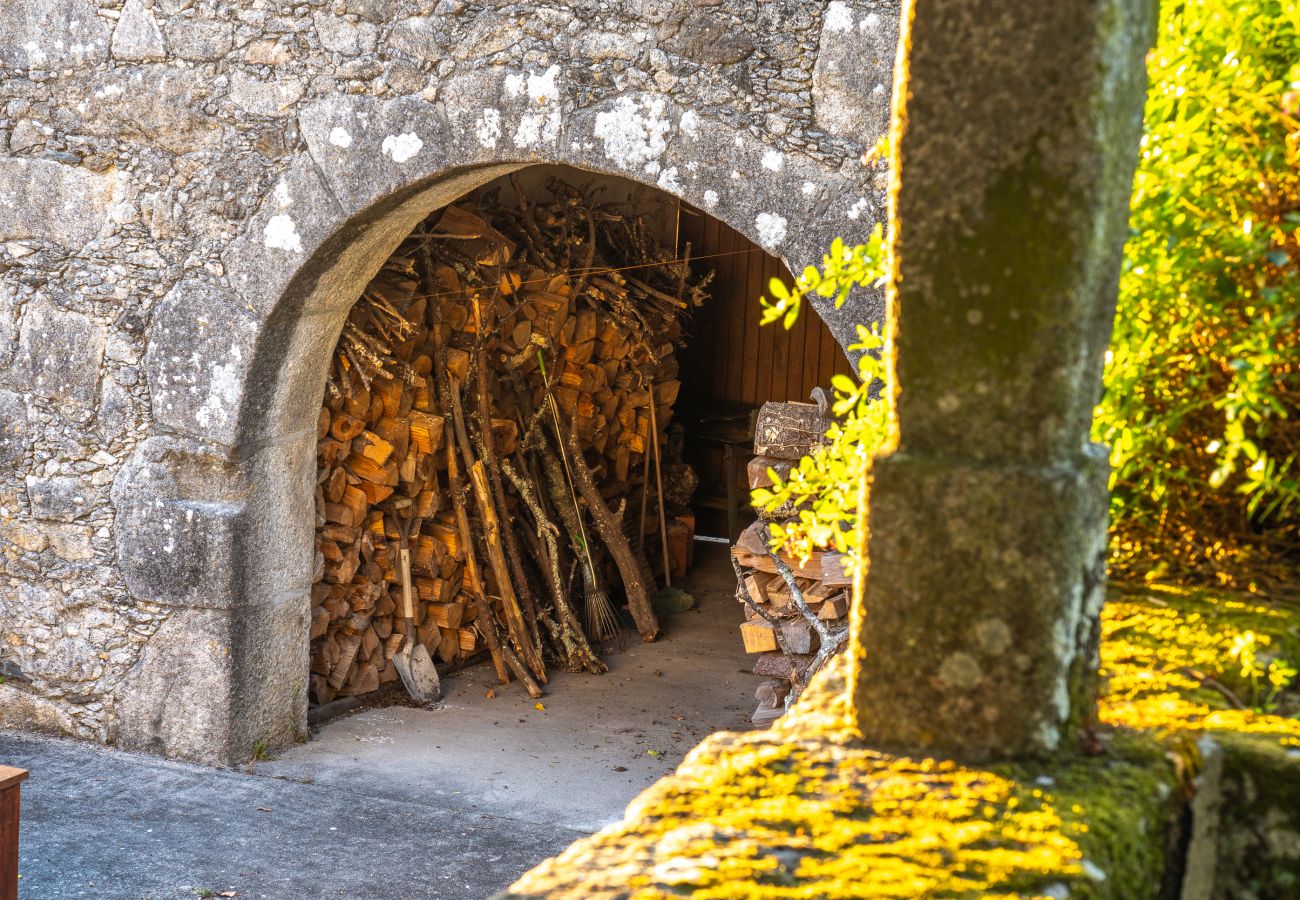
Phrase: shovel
[412,661]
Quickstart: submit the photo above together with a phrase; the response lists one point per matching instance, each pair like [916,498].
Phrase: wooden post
[10,781]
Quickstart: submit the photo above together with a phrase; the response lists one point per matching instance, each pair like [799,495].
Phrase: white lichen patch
[402,147]
[537,128]
[839,17]
[773,160]
[634,132]
[539,88]
[858,208]
[487,127]
[281,233]
[960,671]
[771,229]
[340,138]
[223,390]
[809,188]
[690,124]
[710,199]
[542,88]
[869,23]
[668,180]
[35,54]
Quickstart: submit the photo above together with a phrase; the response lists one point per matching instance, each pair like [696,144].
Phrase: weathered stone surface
[179,527]
[712,37]
[1246,837]
[265,98]
[213,684]
[62,498]
[15,435]
[276,243]
[26,536]
[198,40]
[59,354]
[21,708]
[341,36]
[51,35]
[137,35]
[116,415]
[846,93]
[71,543]
[1010,212]
[198,350]
[152,103]
[1011,562]
[8,323]
[73,201]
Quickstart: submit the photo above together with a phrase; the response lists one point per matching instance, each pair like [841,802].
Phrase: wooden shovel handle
[404,562]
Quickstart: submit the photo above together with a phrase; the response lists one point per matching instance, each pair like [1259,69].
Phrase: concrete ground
[449,802]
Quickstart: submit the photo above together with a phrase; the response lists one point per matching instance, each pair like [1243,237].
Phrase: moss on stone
[1167,663]
[1258,818]
[806,810]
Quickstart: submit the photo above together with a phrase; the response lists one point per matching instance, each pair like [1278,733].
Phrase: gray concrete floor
[453,801]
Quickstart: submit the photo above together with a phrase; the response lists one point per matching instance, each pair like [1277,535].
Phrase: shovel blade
[417,672]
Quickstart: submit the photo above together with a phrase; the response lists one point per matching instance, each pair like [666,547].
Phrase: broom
[600,617]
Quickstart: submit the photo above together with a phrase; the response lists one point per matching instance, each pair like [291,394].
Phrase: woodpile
[438,395]
[796,609]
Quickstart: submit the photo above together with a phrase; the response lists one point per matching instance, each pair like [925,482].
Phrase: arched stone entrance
[214,516]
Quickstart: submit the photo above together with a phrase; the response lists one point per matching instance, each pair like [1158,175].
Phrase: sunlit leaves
[821,492]
[843,268]
[1205,348]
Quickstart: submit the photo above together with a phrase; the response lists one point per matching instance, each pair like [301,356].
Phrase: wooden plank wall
[732,361]
[730,358]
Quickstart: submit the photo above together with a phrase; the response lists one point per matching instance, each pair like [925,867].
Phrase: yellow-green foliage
[1202,406]
[824,486]
[1203,381]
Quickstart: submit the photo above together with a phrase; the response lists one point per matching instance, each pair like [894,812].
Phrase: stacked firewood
[438,417]
[796,609]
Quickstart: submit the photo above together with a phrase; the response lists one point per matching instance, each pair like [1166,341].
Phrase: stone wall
[191,194]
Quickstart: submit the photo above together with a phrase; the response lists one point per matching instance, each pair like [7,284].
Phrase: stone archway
[214,515]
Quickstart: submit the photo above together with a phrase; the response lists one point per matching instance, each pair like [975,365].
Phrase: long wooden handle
[404,561]
[659,483]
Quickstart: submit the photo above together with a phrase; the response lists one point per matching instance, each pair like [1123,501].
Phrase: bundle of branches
[498,371]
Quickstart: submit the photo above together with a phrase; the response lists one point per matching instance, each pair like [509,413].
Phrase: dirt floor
[453,801]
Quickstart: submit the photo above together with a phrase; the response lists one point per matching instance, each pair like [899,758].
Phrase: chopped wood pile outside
[796,609]
[498,393]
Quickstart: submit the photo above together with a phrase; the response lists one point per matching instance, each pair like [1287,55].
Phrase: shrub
[1203,380]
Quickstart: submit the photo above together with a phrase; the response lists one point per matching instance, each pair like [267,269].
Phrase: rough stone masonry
[192,193]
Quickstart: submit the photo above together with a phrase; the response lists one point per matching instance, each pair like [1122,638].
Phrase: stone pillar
[1015,135]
